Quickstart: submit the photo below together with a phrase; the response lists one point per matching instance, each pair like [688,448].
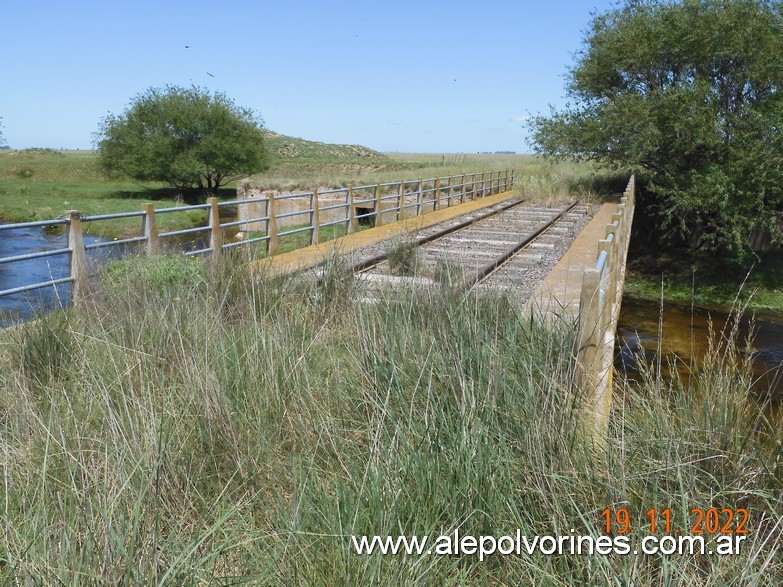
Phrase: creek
[685,333]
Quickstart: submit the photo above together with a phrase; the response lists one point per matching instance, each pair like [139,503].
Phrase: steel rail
[485,271]
[371,262]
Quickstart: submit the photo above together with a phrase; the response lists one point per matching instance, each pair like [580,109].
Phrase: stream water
[684,341]
[21,306]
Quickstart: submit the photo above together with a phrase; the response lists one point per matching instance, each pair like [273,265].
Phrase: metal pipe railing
[360,203]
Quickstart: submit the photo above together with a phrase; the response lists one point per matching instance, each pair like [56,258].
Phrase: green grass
[194,425]
[284,147]
[692,277]
[40,184]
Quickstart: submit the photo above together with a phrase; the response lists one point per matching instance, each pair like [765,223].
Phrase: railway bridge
[568,262]
[471,230]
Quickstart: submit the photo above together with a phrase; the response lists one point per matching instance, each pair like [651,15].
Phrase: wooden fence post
[451,191]
[436,203]
[609,282]
[590,334]
[378,206]
[150,228]
[419,198]
[351,216]
[617,221]
[315,218]
[401,201]
[215,235]
[272,242]
[79,270]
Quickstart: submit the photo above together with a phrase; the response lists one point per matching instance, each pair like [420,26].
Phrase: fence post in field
[436,204]
[462,189]
[513,171]
[315,218]
[150,229]
[378,206]
[79,271]
[273,244]
[451,191]
[419,197]
[350,226]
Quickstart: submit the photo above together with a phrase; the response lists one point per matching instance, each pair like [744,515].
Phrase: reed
[225,428]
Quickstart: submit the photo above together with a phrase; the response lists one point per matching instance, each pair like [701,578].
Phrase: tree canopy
[688,92]
[185,137]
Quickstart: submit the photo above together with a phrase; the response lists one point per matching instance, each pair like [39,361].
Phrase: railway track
[512,246]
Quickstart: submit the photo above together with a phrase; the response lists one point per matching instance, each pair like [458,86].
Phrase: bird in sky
[210,75]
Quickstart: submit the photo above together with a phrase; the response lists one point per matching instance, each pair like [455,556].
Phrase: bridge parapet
[599,309]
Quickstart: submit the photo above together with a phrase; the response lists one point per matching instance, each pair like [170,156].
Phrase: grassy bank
[189,424]
[687,277]
[39,184]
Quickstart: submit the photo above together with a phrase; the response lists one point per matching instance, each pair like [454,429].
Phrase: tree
[689,93]
[2,139]
[185,137]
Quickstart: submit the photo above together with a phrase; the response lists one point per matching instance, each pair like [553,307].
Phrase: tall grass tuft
[232,429]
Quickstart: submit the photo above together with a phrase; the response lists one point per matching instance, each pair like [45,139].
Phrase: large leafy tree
[691,93]
[185,137]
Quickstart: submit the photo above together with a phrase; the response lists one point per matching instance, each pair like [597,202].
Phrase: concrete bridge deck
[314,255]
[557,294]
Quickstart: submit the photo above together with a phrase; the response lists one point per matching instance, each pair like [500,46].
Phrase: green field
[39,184]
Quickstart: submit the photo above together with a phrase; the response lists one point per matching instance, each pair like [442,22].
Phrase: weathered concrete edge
[558,295]
[314,255]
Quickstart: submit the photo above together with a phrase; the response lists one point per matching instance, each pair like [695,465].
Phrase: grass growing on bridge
[217,429]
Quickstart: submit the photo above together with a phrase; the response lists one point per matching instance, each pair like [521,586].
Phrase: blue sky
[426,76]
